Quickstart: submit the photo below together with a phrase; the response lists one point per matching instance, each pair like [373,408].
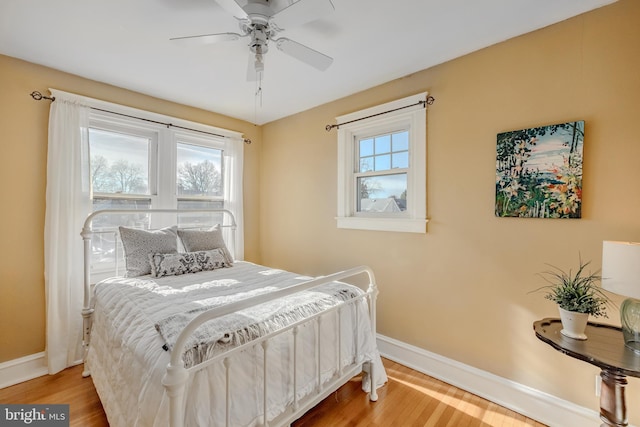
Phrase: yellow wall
[461,290]
[23,151]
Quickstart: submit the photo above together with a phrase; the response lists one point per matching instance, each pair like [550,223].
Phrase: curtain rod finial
[38,96]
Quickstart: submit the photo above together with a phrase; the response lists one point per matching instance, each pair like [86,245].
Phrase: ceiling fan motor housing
[258,12]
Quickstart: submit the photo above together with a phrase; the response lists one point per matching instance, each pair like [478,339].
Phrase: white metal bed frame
[177,375]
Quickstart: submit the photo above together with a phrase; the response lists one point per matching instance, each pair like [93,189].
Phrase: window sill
[404,225]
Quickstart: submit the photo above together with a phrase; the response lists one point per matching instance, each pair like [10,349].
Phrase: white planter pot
[573,324]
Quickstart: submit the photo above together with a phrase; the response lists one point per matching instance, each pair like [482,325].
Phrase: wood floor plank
[408,399]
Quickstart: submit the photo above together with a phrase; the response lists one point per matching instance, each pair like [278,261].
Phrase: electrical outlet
[598,384]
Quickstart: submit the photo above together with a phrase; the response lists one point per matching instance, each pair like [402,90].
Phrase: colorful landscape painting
[539,172]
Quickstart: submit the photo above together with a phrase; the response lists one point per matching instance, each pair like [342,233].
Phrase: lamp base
[630,320]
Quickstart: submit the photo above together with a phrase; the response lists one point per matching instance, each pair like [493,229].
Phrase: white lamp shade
[621,268]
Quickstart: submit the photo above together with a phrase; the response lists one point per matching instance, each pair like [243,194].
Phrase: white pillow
[139,244]
[204,240]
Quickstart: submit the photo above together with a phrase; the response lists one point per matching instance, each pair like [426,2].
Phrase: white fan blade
[301,12]
[303,53]
[233,8]
[207,38]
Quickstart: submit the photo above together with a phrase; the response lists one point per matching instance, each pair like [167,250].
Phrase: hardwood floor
[409,399]
[67,386]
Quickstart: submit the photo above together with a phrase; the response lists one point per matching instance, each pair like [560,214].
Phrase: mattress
[128,353]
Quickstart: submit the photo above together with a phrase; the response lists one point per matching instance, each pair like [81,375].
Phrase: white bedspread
[127,359]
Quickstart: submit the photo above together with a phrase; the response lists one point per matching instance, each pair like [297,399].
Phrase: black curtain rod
[38,96]
[429,101]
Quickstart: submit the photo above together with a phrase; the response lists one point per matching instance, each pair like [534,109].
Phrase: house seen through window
[382,175]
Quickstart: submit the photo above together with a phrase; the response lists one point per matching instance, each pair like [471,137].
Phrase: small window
[382,167]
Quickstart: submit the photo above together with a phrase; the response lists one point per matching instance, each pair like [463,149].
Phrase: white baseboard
[532,403]
[22,369]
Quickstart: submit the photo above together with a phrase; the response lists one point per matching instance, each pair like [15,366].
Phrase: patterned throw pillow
[204,240]
[188,262]
[138,244]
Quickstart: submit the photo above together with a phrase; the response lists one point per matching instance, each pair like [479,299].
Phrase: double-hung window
[382,167]
[142,164]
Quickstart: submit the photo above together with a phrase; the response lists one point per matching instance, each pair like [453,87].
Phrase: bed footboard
[177,375]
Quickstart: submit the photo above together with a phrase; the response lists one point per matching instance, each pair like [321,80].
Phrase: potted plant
[577,295]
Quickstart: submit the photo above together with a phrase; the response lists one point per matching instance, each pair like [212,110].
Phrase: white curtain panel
[233,167]
[67,206]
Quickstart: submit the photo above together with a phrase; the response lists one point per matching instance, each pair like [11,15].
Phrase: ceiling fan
[261,21]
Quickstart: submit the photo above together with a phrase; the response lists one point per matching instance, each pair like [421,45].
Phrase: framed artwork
[539,172]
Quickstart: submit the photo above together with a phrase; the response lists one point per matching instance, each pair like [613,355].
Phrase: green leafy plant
[577,292]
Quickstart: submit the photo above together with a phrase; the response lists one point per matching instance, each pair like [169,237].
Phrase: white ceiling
[126,43]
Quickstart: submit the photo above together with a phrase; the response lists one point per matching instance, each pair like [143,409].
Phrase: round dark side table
[605,349]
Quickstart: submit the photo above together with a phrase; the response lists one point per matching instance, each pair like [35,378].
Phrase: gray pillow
[204,240]
[139,244]
[189,262]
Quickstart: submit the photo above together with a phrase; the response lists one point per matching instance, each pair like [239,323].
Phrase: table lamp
[621,275]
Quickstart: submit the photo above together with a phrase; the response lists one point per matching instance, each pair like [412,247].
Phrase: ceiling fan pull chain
[257,98]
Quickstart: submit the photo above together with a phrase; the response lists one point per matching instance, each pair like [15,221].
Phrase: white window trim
[415,218]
